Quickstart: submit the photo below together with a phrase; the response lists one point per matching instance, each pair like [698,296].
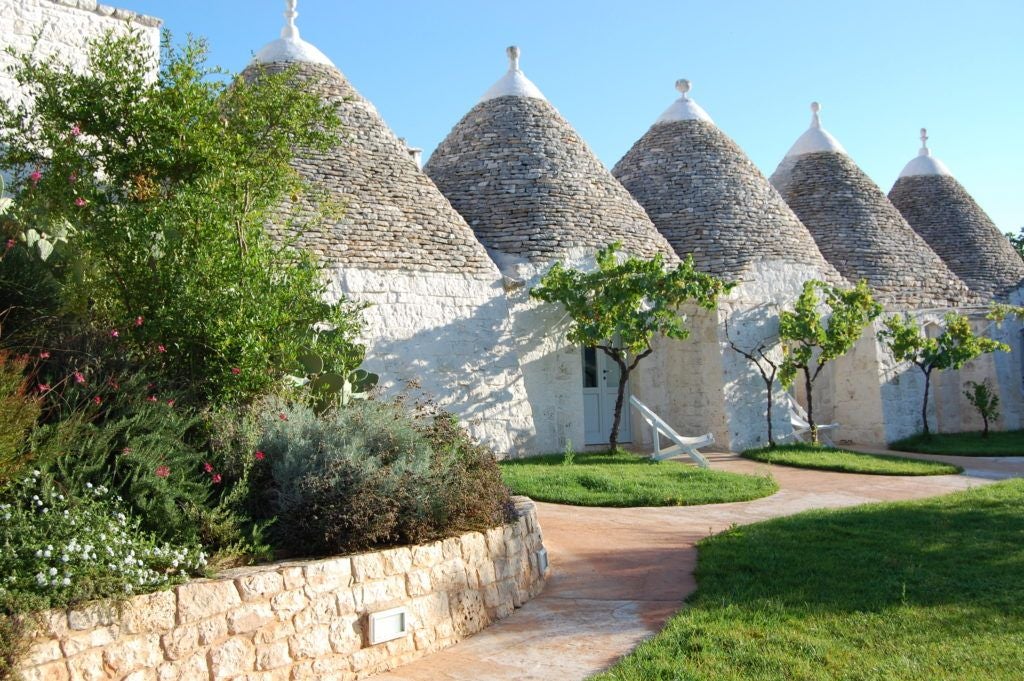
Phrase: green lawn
[625,479]
[1009,443]
[924,590]
[828,459]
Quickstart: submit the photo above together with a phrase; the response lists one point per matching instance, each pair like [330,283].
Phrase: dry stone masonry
[955,226]
[528,184]
[860,232]
[709,199]
[438,310]
[292,621]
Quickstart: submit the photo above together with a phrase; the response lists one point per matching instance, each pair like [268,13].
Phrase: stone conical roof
[527,183]
[858,230]
[394,218]
[955,226]
[709,199]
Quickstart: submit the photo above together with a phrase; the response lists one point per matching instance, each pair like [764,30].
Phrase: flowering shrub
[158,191]
[71,549]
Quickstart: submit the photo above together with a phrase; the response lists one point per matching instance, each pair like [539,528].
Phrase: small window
[589,367]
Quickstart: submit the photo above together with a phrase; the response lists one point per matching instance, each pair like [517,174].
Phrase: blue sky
[881,70]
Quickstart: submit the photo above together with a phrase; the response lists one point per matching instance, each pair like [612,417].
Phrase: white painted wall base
[447,337]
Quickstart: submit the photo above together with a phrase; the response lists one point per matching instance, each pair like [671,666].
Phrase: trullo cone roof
[394,218]
[858,230]
[709,199]
[955,226]
[527,183]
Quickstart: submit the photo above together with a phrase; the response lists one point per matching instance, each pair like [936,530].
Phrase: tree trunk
[613,440]
[984,419]
[810,405]
[768,386]
[924,407]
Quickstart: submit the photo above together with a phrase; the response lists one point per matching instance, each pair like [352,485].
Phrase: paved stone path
[618,574]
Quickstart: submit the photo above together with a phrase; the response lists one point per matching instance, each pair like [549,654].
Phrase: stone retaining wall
[300,620]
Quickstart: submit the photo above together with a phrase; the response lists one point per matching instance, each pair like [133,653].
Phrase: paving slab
[619,573]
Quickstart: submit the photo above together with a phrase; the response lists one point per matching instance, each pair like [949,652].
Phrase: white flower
[66,581]
[53,571]
[88,485]
[41,579]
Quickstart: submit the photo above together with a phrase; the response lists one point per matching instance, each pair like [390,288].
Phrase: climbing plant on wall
[952,348]
[629,298]
[824,324]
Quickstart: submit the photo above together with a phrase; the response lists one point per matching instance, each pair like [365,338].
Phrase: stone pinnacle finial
[290,30]
[924,143]
[513,57]
[815,115]
[683,86]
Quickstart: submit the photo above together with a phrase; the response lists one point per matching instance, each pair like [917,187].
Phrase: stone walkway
[618,574]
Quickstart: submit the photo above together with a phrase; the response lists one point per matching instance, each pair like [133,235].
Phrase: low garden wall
[301,620]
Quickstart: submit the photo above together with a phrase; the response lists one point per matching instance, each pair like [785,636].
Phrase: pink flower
[170,403]
[151,398]
[113,384]
[79,202]
[260,456]
[208,467]
[44,387]
[162,471]
[97,400]
[44,355]
[35,177]
[126,450]
[283,416]
[114,333]
[161,348]
[75,130]
[138,321]
[79,377]
[216,478]
[73,178]
[10,244]
[236,370]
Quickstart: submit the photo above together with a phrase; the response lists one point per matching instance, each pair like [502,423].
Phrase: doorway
[600,388]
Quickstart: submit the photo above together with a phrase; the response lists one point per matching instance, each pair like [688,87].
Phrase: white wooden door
[600,388]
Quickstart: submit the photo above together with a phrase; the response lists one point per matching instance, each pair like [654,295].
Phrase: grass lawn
[1010,443]
[909,591]
[828,459]
[625,479]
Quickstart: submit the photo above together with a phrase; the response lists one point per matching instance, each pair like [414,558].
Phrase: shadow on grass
[1005,443]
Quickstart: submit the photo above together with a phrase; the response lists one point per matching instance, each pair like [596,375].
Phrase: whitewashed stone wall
[63,28]
[552,368]
[447,337]
[292,621]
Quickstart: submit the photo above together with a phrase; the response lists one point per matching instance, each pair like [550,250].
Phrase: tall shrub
[148,196]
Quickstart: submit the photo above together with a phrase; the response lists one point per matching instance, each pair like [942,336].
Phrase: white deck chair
[683,445]
[801,427]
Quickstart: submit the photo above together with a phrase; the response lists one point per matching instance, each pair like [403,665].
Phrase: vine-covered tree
[954,347]
[629,298]
[824,324]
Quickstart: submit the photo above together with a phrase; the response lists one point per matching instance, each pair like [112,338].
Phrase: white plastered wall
[61,29]
[446,337]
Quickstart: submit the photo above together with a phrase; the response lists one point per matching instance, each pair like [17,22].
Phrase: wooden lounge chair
[802,428]
[683,445]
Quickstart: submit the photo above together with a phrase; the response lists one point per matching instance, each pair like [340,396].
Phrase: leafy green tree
[144,198]
[812,336]
[985,400]
[952,349]
[632,299]
[1017,240]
